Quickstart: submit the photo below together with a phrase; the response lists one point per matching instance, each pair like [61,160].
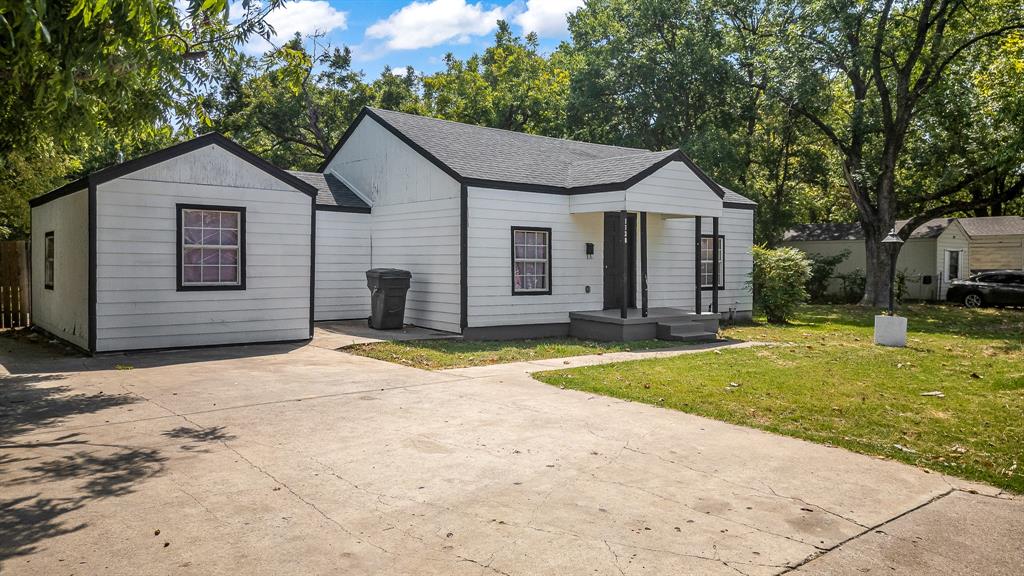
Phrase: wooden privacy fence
[15,284]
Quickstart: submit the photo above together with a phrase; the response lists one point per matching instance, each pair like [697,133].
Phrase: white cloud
[425,24]
[547,17]
[302,16]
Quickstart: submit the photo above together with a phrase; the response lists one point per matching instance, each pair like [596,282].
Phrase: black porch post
[624,261]
[715,256]
[643,264]
[696,258]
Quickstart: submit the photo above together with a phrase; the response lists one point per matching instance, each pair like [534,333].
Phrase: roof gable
[489,157]
[142,162]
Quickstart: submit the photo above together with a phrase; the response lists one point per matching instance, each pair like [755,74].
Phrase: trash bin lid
[388,273]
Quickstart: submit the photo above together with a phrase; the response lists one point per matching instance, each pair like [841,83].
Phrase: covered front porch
[693,291]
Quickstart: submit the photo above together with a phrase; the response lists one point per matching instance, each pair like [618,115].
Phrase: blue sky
[417,33]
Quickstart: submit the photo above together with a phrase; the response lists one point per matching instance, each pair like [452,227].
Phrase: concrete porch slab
[336,334]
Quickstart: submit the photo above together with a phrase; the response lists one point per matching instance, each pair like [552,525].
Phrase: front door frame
[945,269]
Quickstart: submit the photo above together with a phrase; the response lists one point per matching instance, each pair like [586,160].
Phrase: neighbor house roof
[993,226]
[480,156]
[136,164]
[844,231]
[332,193]
[975,227]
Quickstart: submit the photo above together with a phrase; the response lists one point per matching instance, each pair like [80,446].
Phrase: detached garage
[202,243]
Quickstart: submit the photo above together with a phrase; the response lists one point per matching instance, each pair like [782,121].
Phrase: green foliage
[779,279]
[511,86]
[290,106]
[823,269]
[852,285]
[80,74]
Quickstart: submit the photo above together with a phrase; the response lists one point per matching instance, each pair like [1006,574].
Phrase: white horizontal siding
[671,265]
[342,259]
[137,303]
[673,189]
[64,310]
[386,170]
[492,214]
[423,237]
[415,221]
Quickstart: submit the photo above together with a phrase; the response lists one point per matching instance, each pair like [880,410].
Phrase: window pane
[193,236]
[192,255]
[211,237]
[229,256]
[229,220]
[193,218]
[228,273]
[192,274]
[211,256]
[210,274]
[211,219]
[228,237]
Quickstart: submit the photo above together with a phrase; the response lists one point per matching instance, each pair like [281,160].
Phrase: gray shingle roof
[331,191]
[975,228]
[845,231]
[993,225]
[525,160]
[736,197]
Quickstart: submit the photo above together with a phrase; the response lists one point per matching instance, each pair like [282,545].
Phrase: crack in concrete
[770,492]
[878,526]
[720,517]
[486,566]
[615,558]
[261,470]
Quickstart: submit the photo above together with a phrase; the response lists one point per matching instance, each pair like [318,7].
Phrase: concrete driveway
[305,460]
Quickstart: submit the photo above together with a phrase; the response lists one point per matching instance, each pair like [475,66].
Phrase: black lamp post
[892,238]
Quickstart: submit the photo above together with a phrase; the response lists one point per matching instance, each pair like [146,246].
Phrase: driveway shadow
[25,352]
[30,402]
[100,471]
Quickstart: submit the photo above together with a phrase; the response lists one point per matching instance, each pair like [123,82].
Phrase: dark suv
[995,288]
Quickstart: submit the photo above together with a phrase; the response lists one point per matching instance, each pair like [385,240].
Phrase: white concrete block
[891,331]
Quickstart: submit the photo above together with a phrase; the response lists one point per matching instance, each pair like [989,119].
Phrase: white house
[506,235]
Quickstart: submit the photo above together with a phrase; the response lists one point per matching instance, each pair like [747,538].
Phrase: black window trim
[721,258]
[512,254]
[51,262]
[179,208]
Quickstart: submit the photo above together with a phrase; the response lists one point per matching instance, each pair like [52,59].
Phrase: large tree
[292,104]
[862,72]
[80,74]
[511,86]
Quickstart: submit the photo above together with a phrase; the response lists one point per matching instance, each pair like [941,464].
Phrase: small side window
[48,255]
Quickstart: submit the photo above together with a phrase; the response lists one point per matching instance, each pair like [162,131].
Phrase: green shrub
[822,270]
[779,281]
[853,286]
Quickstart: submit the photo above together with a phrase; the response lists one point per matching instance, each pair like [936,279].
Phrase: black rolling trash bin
[387,297]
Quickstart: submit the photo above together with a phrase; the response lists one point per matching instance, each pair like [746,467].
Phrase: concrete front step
[685,332]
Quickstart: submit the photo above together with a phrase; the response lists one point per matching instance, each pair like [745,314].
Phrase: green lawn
[826,382]
[442,354]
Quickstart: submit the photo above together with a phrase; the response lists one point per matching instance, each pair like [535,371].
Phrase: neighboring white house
[506,235]
[935,253]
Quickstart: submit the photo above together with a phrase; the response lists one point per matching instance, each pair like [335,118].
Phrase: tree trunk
[878,262]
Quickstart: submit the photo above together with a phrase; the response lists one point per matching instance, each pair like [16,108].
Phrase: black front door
[616,241]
